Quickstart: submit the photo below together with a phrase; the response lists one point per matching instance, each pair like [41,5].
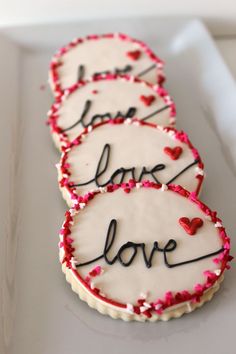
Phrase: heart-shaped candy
[147,100]
[191,226]
[134,55]
[174,153]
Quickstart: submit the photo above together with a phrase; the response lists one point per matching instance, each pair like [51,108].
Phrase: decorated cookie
[143,252]
[105,98]
[119,150]
[102,54]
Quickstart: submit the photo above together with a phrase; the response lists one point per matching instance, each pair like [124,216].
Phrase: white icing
[113,96]
[101,55]
[144,215]
[131,146]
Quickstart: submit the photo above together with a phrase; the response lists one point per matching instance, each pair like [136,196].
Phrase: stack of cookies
[137,243]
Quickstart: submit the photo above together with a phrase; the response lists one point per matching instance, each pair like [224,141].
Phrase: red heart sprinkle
[147,100]
[174,153]
[134,55]
[191,226]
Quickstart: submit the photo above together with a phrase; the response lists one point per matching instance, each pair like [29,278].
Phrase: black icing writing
[133,248]
[85,122]
[101,117]
[117,71]
[145,71]
[120,174]
[81,71]
[126,69]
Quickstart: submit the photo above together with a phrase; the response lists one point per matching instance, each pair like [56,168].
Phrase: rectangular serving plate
[39,312]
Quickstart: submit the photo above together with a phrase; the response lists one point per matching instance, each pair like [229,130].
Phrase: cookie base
[175,311]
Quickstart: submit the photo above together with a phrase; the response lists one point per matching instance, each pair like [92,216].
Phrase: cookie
[119,150]
[102,54]
[105,98]
[143,252]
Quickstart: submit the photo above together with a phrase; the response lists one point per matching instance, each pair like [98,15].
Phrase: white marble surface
[219,16]
[227,47]
[39,314]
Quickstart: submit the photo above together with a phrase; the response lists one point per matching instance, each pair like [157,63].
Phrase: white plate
[39,312]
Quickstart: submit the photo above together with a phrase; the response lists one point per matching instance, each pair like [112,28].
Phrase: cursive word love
[119,175]
[133,247]
[123,174]
[99,117]
[116,71]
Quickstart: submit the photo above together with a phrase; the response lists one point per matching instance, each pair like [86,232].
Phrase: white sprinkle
[102,189]
[137,123]
[199,171]
[146,305]
[72,212]
[82,205]
[57,165]
[74,200]
[138,185]
[143,296]
[217,272]
[171,133]
[49,112]
[143,308]
[128,121]
[158,306]
[164,187]
[90,128]
[130,308]
[92,286]
[218,224]
[56,105]
[63,98]
[73,262]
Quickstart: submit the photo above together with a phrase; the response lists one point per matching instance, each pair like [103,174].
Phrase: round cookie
[101,54]
[119,150]
[143,252]
[105,98]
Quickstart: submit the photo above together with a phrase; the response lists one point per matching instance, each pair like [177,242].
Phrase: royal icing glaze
[99,54]
[105,98]
[126,248]
[117,150]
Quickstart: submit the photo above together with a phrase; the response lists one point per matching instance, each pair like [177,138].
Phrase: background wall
[220,15]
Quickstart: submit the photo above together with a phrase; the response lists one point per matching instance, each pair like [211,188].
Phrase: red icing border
[64,166]
[170,298]
[53,114]
[56,60]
